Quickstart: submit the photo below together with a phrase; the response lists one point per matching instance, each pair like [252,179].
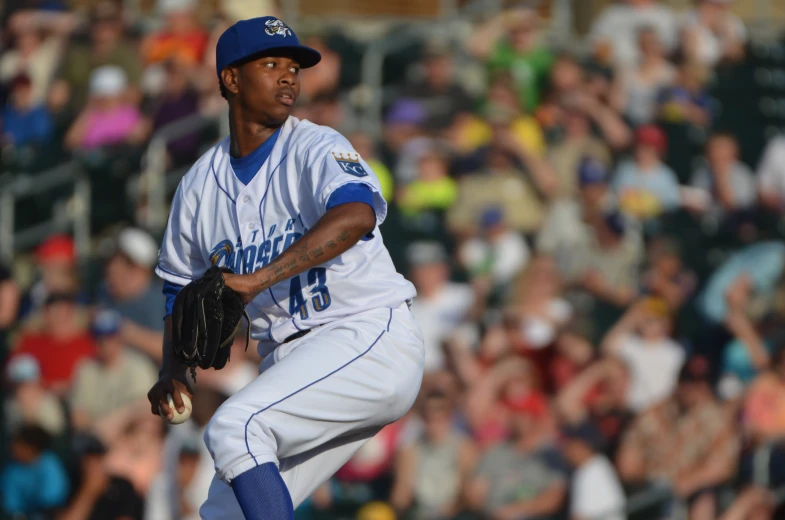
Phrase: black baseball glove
[205,319]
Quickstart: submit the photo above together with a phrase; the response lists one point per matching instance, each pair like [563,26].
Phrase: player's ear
[230,78]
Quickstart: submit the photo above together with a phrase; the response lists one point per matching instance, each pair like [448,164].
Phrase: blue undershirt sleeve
[353,192]
[170,291]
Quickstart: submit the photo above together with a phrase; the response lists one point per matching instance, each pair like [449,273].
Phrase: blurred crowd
[595,238]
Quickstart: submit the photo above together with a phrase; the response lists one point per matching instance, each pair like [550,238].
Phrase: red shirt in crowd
[57,358]
[374,458]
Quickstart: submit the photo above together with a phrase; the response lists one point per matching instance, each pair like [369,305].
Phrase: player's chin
[279,114]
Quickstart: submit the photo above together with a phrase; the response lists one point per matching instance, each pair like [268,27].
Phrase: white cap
[139,246]
[22,368]
[109,80]
[173,6]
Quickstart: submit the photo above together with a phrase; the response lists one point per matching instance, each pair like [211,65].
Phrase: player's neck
[247,136]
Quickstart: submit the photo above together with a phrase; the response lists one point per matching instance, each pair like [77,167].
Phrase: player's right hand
[169,385]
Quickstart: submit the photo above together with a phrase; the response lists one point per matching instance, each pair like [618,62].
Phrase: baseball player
[293,210]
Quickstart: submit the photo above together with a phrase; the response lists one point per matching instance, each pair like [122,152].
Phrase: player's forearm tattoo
[317,246]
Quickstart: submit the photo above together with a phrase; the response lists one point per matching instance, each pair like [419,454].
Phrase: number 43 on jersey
[316,289]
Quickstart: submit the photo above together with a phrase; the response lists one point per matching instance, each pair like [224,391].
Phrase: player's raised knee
[236,437]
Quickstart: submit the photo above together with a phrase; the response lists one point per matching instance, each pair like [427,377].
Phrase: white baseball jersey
[217,220]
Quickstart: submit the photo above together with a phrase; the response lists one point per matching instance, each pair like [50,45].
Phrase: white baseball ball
[177,418]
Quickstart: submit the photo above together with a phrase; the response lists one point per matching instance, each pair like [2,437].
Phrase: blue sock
[262,494]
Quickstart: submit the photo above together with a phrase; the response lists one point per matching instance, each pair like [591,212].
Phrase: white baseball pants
[317,400]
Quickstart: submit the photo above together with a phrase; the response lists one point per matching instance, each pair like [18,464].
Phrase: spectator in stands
[241,370]
[566,78]
[646,186]
[177,101]
[441,305]
[524,477]
[432,470]
[28,402]
[771,176]
[537,314]
[764,403]
[599,394]
[34,481]
[666,276]
[689,441]
[574,112]
[496,252]
[747,279]
[134,439]
[687,102]
[750,352]
[187,470]
[565,228]
[25,122]
[367,475]
[100,494]
[55,260]
[499,181]
[324,79]
[61,343]
[608,264]
[713,34]
[501,108]
[510,43]
[117,377]
[641,339]
[9,306]
[729,183]
[595,491]
[56,272]
[107,46]
[433,189]
[132,290]
[436,87]
[109,119]
[366,147]
[35,54]
[182,37]
[576,144]
[327,109]
[620,23]
[638,85]
[212,102]
[404,138]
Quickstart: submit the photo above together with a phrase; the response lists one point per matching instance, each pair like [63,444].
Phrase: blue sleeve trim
[170,291]
[353,192]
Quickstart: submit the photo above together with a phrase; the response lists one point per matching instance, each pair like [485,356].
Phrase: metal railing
[75,215]
[155,178]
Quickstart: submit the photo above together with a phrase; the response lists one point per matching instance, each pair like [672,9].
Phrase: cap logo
[274,27]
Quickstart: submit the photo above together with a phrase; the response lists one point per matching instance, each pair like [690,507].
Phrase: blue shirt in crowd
[31,127]
[660,182]
[30,488]
[763,263]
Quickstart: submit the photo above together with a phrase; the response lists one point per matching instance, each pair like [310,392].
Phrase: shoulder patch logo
[274,27]
[350,163]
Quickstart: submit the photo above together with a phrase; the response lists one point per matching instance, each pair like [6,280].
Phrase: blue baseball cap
[591,171]
[106,323]
[491,217]
[249,37]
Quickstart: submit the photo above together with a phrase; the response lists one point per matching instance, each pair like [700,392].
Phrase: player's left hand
[242,285]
